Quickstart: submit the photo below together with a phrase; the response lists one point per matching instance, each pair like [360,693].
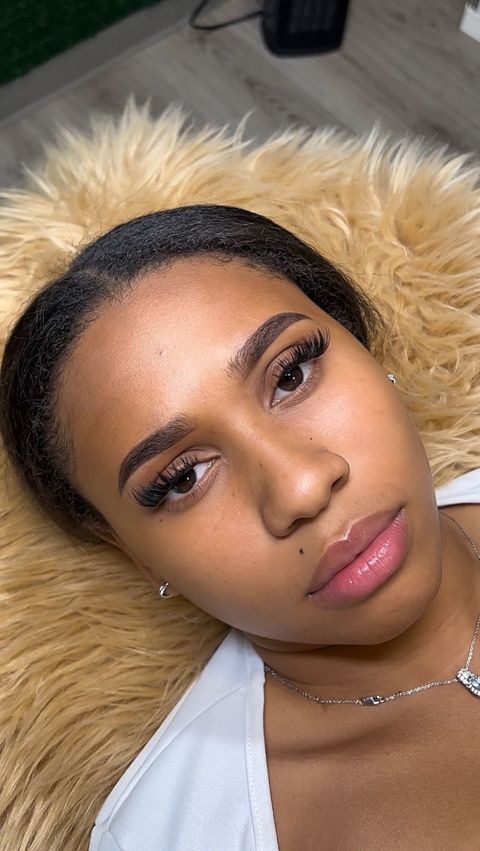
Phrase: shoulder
[167,800]
[101,840]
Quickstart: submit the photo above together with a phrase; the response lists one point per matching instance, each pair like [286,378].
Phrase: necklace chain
[371,700]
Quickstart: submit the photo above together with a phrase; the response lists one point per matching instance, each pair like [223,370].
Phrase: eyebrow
[180,426]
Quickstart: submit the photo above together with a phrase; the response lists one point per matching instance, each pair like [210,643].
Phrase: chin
[398,610]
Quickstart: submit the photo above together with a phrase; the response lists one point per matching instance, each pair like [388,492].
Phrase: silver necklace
[464,676]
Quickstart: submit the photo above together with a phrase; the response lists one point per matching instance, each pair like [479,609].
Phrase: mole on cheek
[301,551]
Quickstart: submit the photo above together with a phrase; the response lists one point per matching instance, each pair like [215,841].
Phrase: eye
[185,477]
[183,481]
[289,368]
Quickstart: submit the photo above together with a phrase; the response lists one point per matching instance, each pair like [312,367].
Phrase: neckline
[256,754]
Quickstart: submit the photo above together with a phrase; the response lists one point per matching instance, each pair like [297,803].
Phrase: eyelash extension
[153,494]
[314,346]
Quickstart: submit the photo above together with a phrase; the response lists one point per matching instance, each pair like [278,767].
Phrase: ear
[112,538]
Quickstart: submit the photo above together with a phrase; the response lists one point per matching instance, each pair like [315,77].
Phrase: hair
[38,346]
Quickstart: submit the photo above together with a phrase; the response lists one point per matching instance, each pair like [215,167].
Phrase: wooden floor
[404,65]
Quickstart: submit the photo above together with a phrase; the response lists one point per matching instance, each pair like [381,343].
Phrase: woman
[198,389]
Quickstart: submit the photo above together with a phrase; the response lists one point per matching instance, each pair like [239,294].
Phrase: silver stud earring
[163,589]
[392,378]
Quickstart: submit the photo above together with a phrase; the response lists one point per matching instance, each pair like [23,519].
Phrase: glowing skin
[285,479]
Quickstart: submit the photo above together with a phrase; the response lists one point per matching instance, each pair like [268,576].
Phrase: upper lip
[343,551]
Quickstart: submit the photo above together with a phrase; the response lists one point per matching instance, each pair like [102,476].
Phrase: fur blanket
[91,661]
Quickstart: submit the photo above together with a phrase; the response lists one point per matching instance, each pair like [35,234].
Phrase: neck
[434,647]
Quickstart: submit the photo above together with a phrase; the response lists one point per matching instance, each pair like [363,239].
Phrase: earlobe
[108,535]
[112,538]
[146,571]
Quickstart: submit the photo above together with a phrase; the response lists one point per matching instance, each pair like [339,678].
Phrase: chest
[410,784]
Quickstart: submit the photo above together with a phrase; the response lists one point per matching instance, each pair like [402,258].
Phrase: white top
[201,782]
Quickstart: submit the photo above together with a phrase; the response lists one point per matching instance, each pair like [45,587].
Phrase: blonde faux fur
[91,660]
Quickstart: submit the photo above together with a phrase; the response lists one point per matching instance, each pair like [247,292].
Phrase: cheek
[346,414]
[215,560]
[364,420]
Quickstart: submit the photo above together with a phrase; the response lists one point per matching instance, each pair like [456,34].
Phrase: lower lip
[380,560]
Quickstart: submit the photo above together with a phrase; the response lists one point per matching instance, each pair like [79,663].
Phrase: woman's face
[282,466]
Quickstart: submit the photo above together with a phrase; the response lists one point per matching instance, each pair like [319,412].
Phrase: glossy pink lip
[342,552]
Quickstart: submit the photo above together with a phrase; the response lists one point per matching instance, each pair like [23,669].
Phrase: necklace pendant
[469,680]
[371,700]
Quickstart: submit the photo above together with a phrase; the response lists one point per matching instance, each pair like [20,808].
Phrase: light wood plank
[406,68]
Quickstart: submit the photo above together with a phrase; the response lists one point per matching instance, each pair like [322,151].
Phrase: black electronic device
[301,27]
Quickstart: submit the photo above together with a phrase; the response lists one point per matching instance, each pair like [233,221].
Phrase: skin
[286,480]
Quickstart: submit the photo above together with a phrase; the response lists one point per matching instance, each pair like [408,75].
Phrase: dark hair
[103,272]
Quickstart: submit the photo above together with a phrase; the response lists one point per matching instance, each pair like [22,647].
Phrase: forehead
[146,358]
[196,308]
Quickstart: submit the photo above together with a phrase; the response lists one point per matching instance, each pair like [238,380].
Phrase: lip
[343,551]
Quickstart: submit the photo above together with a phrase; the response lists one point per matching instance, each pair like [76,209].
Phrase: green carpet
[32,31]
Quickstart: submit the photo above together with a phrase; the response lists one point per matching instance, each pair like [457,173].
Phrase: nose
[293,478]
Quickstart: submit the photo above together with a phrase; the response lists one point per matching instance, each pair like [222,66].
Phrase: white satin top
[201,782]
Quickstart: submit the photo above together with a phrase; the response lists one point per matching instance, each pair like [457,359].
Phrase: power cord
[202,5]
